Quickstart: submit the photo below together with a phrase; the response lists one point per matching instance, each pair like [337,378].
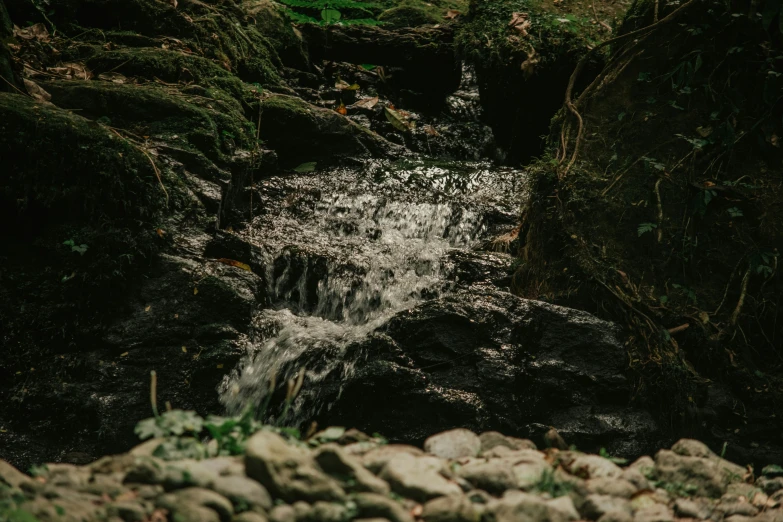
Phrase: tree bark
[8,80]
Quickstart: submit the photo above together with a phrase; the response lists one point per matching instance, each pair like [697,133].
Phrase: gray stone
[517,506]
[244,493]
[453,444]
[250,516]
[193,501]
[282,513]
[596,506]
[371,505]
[10,476]
[286,471]
[693,508]
[635,477]
[451,509]
[654,513]
[615,487]
[493,439]
[692,448]
[564,507]
[731,505]
[708,477]
[377,458]
[494,476]
[418,478]
[127,511]
[645,465]
[70,508]
[616,516]
[334,461]
[593,466]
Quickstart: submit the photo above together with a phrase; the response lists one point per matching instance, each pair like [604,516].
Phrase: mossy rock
[408,16]
[271,22]
[152,111]
[299,132]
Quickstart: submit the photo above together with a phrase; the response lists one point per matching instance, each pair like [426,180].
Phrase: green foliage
[645,227]
[325,12]
[548,483]
[80,249]
[172,423]
[617,460]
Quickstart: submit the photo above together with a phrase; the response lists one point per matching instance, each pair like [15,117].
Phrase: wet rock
[294,125]
[459,361]
[453,444]
[371,505]
[418,478]
[693,508]
[286,471]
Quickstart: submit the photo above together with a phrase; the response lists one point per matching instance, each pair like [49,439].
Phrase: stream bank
[205,210]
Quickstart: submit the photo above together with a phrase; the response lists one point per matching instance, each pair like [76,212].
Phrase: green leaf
[306,167]
[330,16]
[396,120]
[646,227]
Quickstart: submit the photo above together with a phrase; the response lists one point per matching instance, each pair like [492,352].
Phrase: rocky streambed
[338,475]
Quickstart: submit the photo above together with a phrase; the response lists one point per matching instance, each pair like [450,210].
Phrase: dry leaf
[704,131]
[34,32]
[36,92]
[233,262]
[195,290]
[529,65]
[520,22]
[451,14]
[429,129]
[160,232]
[341,109]
[112,77]
[72,71]
[124,354]
[397,120]
[366,103]
[148,308]
[184,349]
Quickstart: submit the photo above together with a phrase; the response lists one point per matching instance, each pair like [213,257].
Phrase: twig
[660,209]
[679,329]
[16,88]
[741,301]
[604,24]
[154,392]
[152,162]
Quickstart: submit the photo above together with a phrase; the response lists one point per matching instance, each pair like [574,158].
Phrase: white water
[399,247]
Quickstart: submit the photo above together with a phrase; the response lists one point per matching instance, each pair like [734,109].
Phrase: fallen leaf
[235,263]
[306,167]
[520,22]
[160,232]
[113,77]
[341,109]
[429,129]
[529,65]
[72,71]
[34,32]
[365,103]
[704,131]
[37,93]
[397,120]
[148,308]
[451,14]
[195,290]
[123,354]
[184,349]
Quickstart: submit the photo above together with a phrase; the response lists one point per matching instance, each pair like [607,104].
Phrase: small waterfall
[342,260]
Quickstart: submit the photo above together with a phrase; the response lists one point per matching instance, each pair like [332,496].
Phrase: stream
[347,250]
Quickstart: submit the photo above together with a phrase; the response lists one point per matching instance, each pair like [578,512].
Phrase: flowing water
[346,251]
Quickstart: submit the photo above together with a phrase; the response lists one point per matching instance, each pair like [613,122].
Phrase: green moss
[408,16]
[156,112]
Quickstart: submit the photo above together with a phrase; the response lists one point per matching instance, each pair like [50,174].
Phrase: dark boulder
[484,359]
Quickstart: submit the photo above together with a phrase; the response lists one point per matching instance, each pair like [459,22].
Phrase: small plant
[80,249]
[645,227]
[617,460]
[548,483]
[330,11]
